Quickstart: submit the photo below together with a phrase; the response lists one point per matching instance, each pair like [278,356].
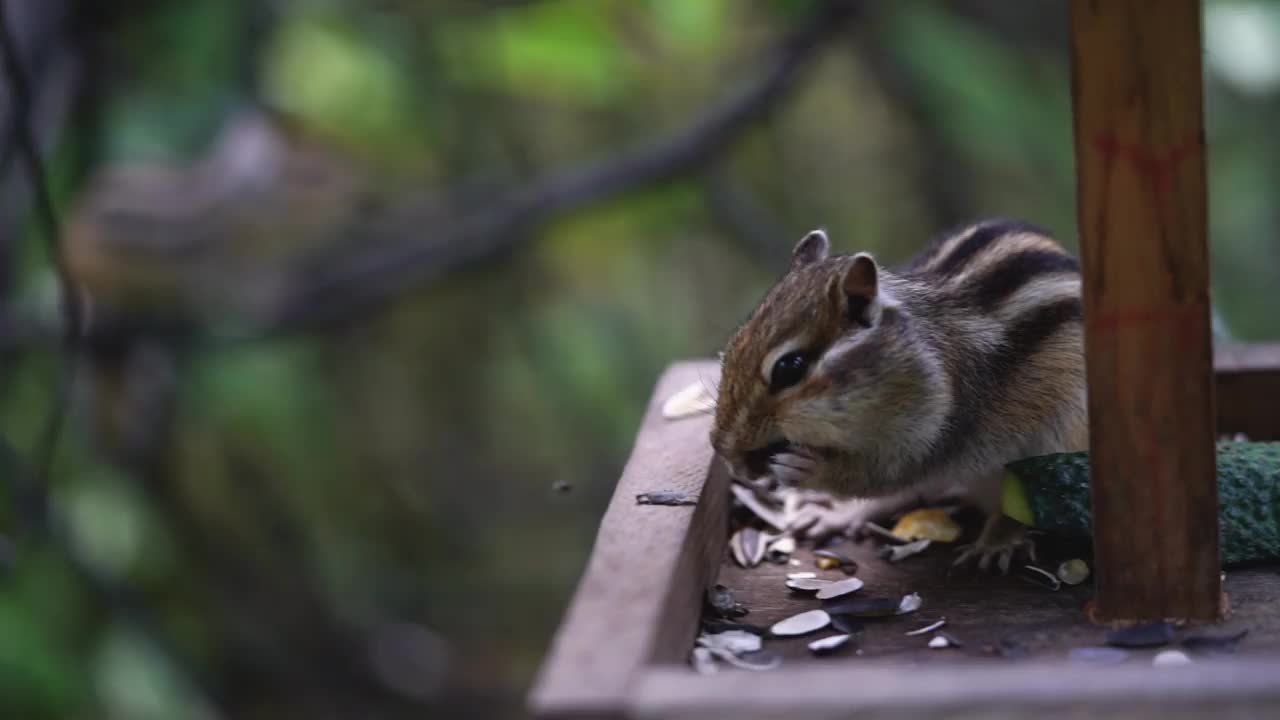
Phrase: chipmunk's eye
[788,370]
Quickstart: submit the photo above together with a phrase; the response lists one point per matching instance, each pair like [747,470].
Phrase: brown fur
[968,358]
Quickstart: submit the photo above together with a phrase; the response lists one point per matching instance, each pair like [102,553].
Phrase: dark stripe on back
[981,382]
[997,283]
[953,262]
[933,247]
[1029,331]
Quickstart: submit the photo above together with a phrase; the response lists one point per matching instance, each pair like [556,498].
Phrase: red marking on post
[1157,168]
[1184,316]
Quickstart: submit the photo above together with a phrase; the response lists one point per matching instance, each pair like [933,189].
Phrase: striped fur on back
[1027,288]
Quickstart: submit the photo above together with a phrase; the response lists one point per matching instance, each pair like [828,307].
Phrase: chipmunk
[895,384]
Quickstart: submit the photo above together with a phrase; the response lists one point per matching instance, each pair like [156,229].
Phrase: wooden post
[1139,139]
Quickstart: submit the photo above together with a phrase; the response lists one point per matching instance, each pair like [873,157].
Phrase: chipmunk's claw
[1001,549]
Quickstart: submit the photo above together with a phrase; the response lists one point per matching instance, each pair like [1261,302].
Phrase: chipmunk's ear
[812,248]
[861,285]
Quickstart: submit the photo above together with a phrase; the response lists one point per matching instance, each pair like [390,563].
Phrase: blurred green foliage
[403,468]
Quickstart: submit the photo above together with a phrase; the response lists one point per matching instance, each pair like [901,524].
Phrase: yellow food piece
[1015,500]
[927,524]
[826,563]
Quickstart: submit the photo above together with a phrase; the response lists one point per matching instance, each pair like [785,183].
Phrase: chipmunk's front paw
[1001,541]
[820,522]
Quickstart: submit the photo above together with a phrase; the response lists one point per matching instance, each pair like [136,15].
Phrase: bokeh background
[376,292]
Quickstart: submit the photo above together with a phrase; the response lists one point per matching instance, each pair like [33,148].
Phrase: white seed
[827,644]
[1073,572]
[704,662]
[1170,658]
[801,576]
[843,587]
[809,584]
[910,603]
[939,642]
[802,624]
[694,399]
[896,553]
[928,628]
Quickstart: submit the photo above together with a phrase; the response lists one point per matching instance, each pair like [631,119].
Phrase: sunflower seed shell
[828,644]
[802,624]
[836,589]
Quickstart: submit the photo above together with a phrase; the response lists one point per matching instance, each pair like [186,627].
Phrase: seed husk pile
[761,519]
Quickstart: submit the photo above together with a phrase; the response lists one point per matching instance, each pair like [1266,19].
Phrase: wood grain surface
[1140,164]
[639,598]
[1248,390]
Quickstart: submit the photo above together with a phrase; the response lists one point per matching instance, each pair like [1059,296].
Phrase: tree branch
[30,491]
[20,94]
[349,285]
[741,215]
[410,246]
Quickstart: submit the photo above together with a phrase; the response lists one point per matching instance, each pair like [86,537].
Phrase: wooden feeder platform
[1158,392]
[624,646]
